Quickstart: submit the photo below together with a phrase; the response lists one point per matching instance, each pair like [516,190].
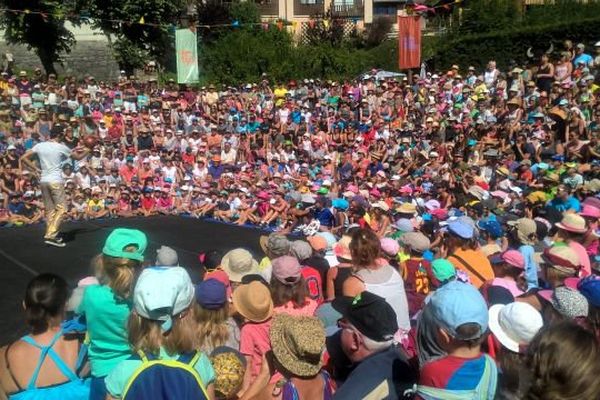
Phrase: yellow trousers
[53,195]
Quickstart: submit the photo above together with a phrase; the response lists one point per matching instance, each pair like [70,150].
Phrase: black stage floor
[24,255]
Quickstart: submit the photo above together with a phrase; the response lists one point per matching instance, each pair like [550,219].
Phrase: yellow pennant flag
[142,21]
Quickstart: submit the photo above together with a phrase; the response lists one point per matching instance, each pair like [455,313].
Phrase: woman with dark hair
[45,363]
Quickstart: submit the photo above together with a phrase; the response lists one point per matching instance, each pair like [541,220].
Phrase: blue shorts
[98,388]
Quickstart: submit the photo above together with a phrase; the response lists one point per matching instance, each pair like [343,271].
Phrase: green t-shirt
[117,380]
[106,317]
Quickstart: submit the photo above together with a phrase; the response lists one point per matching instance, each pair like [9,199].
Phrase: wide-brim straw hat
[572,223]
[238,263]
[253,301]
[298,343]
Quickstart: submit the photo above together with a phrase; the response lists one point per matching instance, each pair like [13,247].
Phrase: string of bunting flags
[418,8]
[278,23]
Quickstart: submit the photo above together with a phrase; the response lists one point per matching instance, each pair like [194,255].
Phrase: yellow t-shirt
[96,205]
[280,93]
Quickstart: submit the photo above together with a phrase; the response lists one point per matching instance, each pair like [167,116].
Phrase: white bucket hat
[514,324]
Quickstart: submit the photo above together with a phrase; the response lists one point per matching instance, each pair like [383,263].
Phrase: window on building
[343,2]
[385,9]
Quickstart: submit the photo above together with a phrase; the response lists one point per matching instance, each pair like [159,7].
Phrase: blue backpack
[162,379]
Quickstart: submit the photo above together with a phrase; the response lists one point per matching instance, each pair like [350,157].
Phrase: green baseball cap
[443,269]
[323,190]
[121,238]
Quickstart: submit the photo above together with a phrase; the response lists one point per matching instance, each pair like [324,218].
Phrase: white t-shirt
[283,114]
[84,181]
[103,132]
[51,155]
[228,157]
[170,173]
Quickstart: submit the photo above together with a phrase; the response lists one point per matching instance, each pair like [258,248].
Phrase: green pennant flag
[186,45]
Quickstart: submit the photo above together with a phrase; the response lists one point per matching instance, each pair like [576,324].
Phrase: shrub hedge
[504,46]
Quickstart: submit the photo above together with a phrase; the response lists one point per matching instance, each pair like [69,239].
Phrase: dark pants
[97,389]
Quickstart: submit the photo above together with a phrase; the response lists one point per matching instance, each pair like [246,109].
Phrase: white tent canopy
[382,75]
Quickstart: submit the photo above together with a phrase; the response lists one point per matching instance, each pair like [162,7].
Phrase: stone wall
[88,57]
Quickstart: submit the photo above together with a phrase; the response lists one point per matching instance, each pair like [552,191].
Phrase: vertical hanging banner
[409,42]
[186,45]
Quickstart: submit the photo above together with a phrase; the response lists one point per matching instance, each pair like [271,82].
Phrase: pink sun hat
[590,211]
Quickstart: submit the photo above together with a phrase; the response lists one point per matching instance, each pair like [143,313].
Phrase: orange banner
[409,42]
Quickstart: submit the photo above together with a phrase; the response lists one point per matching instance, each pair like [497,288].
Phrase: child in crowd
[288,288]
[461,315]
[416,271]
[253,303]
[162,327]
[106,307]
[513,326]
[215,327]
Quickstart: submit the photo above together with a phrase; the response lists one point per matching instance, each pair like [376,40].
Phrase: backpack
[485,390]
[162,379]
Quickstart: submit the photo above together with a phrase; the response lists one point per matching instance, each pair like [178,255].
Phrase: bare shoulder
[353,286]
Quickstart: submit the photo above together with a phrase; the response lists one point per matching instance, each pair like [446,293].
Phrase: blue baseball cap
[457,303]
[590,288]
[161,293]
[342,204]
[211,294]
[461,229]
[404,225]
[492,227]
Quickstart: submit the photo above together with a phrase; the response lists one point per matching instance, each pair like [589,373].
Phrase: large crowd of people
[445,235]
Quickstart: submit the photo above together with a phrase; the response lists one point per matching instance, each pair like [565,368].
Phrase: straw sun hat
[253,301]
[238,263]
[298,343]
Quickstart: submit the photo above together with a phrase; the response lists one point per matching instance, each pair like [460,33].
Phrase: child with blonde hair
[106,306]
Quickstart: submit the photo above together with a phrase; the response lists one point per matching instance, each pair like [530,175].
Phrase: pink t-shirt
[254,342]
[508,284]
[308,310]
[584,259]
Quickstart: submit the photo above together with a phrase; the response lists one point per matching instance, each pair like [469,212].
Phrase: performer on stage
[52,155]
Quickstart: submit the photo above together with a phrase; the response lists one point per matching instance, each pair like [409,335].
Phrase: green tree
[134,41]
[480,16]
[39,25]
[211,12]
[242,55]
[326,28]
[244,12]
[216,12]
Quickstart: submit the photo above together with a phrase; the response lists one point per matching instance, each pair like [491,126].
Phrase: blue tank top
[75,388]
[291,393]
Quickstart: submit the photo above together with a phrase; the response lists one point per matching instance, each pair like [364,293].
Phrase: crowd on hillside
[448,241]
[280,155]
